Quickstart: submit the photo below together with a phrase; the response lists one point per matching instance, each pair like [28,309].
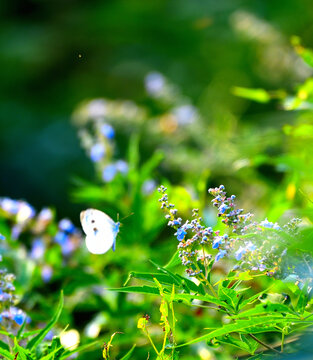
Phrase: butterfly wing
[100,231]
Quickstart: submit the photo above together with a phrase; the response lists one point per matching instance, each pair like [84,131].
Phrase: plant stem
[152,343]
[263,344]
[282,341]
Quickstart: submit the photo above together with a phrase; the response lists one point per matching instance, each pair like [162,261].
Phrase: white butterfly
[100,230]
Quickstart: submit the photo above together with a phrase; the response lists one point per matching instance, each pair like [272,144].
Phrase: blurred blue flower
[38,249]
[66,225]
[61,237]
[15,232]
[9,205]
[97,152]
[269,225]
[121,166]
[109,173]
[108,131]
[185,114]
[239,253]
[45,215]
[67,247]
[148,186]
[154,83]
[180,234]
[217,242]
[46,273]
[25,212]
[220,255]
[2,237]
[223,208]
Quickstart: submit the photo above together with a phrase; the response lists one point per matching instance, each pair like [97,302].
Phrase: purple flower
[107,131]
[97,152]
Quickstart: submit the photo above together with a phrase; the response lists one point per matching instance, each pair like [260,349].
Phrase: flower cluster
[41,231]
[97,134]
[254,246]
[9,314]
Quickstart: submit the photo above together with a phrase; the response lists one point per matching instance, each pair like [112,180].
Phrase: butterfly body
[100,230]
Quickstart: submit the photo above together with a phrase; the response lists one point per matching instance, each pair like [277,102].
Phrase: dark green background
[44,78]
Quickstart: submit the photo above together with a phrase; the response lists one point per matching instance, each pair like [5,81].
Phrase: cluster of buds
[231,216]
[255,246]
[9,314]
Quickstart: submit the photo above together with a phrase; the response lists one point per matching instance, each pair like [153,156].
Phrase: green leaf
[128,355]
[258,95]
[38,338]
[267,308]
[4,345]
[229,296]
[238,326]
[165,271]
[231,340]
[23,354]
[162,278]
[252,344]
[6,354]
[138,289]
[174,261]
[189,297]
[80,349]
[191,286]
[253,298]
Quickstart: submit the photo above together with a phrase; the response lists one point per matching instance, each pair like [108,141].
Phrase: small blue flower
[46,273]
[220,255]
[148,187]
[0,318]
[154,83]
[19,318]
[61,237]
[217,242]
[2,237]
[9,205]
[121,166]
[38,249]
[97,152]
[250,246]
[180,234]
[239,253]
[223,208]
[107,131]
[109,173]
[66,225]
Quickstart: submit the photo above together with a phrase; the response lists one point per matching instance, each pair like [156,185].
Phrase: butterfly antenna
[127,216]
